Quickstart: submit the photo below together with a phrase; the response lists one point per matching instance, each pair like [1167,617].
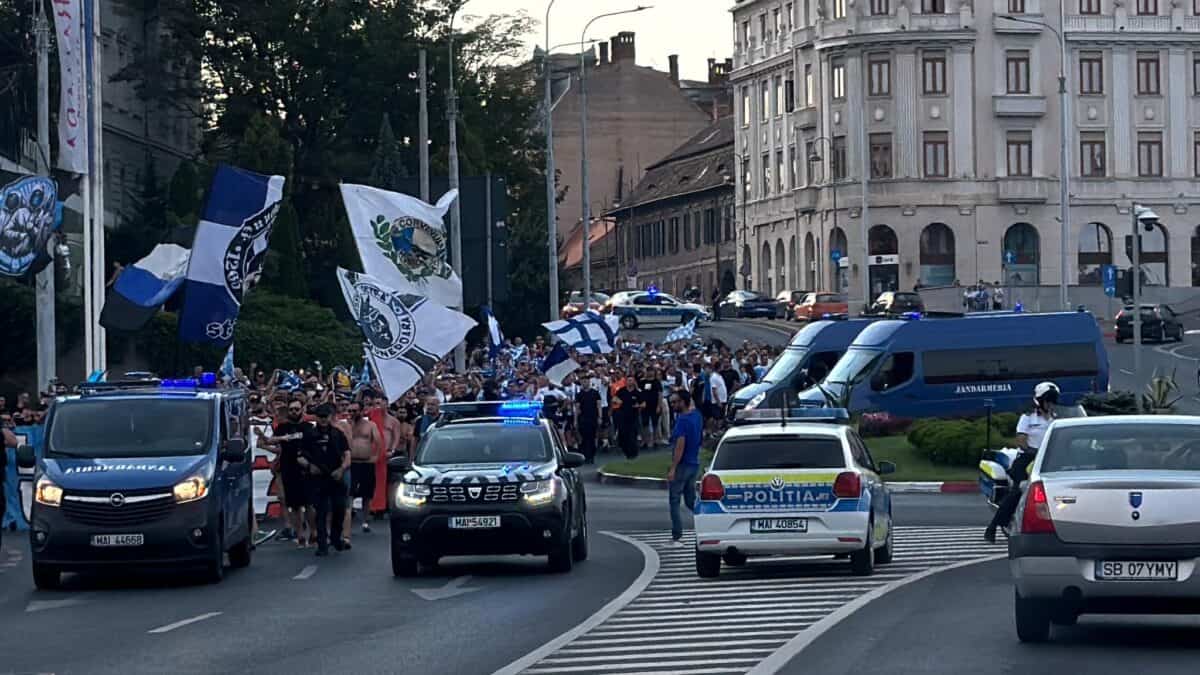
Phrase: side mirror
[399,464]
[573,460]
[235,451]
[26,458]
[887,468]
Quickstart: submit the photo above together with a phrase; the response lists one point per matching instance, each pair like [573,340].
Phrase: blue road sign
[1109,273]
[835,254]
[1009,257]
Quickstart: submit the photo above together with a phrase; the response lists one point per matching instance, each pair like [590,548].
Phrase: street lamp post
[1064,169]
[742,188]
[1140,216]
[583,128]
[815,157]
[460,352]
[551,196]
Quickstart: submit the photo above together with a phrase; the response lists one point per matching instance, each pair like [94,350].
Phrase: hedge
[960,442]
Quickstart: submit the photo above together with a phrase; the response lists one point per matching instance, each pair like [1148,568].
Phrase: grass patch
[910,465]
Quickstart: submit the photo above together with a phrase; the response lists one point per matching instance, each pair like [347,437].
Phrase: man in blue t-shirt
[685,460]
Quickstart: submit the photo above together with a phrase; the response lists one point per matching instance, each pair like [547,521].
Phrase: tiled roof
[570,253]
[699,164]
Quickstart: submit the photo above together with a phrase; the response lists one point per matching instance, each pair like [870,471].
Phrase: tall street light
[1064,169]
[813,158]
[743,189]
[460,352]
[551,192]
[583,171]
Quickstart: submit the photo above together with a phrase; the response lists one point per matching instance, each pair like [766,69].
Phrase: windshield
[786,366]
[854,367]
[780,452]
[121,428]
[1119,447]
[484,444]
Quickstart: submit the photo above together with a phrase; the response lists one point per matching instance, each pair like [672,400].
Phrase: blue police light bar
[517,411]
[793,416]
[911,316]
[520,408]
[181,383]
[208,380]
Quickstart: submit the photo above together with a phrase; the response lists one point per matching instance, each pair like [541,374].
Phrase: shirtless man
[366,444]
[389,426]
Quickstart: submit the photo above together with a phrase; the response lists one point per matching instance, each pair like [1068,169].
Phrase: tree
[284,271]
[263,149]
[387,166]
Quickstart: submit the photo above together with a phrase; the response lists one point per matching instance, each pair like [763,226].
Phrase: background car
[894,303]
[815,306]
[1159,322]
[748,304]
[575,303]
[642,308]
[787,301]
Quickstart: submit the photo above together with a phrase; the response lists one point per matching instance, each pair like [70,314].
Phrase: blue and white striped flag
[588,333]
[495,335]
[290,382]
[227,364]
[685,332]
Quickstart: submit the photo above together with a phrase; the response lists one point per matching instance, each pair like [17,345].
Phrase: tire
[579,545]
[46,578]
[1032,617]
[243,552]
[214,572]
[887,553]
[629,322]
[862,562]
[708,565]
[560,560]
[403,564]
[1064,617]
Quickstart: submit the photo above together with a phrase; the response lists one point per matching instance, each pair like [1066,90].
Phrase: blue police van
[957,367]
[142,472]
[809,356]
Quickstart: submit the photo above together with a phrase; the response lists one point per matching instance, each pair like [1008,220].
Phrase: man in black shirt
[587,410]
[289,439]
[326,458]
[629,415]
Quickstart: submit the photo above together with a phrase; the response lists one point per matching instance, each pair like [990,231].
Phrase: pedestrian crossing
[684,625]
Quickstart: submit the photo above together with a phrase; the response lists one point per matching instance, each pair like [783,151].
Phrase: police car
[652,308]
[142,472]
[488,478]
[800,482]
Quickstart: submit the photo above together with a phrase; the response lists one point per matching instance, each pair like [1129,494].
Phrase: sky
[697,30]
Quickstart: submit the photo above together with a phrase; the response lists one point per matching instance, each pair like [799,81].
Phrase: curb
[899,487]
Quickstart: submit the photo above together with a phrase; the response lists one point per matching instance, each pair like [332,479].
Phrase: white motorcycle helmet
[1046,392]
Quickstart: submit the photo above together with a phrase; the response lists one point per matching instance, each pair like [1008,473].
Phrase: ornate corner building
[952,108]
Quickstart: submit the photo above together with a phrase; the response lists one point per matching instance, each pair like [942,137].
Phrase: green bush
[959,442]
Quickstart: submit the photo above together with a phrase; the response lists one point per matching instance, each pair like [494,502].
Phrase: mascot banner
[30,216]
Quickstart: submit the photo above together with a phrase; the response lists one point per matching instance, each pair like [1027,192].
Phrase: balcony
[806,199]
[1018,105]
[1024,190]
[806,118]
[1032,11]
[1129,24]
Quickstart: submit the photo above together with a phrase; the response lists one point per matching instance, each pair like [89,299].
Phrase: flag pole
[47,362]
[97,173]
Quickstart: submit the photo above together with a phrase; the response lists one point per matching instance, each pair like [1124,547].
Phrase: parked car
[1159,322]
[787,301]
[894,304]
[748,304]
[816,306]
[644,308]
[575,306]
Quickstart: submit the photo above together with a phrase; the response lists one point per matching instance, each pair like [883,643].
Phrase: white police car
[653,308]
[796,484]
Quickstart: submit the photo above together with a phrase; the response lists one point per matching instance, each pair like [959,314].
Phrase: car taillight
[711,488]
[848,485]
[1036,518]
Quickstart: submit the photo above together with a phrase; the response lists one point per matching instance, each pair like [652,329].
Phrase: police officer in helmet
[1031,429]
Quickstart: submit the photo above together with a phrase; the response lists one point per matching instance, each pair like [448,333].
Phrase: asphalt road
[1182,359]
[730,331]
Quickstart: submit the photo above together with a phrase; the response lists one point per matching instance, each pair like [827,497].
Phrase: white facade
[958,109]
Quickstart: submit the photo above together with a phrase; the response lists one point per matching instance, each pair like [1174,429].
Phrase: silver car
[1110,522]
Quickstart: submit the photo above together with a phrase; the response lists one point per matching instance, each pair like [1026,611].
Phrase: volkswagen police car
[653,308]
[488,478]
[142,472]
[799,482]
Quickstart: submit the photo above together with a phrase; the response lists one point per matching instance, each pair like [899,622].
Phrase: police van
[796,482]
[142,472]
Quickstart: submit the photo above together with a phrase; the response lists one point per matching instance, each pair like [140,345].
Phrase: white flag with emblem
[402,241]
[405,334]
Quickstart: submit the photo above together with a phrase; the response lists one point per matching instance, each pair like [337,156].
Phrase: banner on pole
[30,213]
[72,108]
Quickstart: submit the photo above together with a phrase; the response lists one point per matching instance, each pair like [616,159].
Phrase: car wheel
[403,564]
[579,545]
[46,578]
[215,571]
[560,558]
[1179,333]
[862,562]
[243,551]
[1064,616]
[629,322]
[1033,619]
[708,565]
[886,553]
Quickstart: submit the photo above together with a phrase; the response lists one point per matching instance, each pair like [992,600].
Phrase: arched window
[1022,255]
[810,259]
[882,241]
[765,270]
[937,255]
[1095,251]
[780,267]
[1196,256]
[884,271]
[837,242]
[793,264]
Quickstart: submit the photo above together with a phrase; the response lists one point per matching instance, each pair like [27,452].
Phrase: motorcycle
[995,483]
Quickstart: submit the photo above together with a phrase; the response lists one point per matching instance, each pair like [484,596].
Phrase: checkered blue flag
[587,333]
[685,332]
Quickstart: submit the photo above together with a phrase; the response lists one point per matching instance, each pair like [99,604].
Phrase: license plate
[1138,570]
[118,539]
[474,522]
[779,525]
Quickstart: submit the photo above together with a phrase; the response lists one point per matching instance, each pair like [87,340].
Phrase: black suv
[488,478]
[1159,322]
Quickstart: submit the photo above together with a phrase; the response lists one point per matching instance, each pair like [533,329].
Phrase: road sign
[835,255]
[1009,257]
[1109,274]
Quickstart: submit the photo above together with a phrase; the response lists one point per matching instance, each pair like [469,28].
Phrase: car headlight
[538,492]
[756,401]
[410,495]
[190,490]
[48,494]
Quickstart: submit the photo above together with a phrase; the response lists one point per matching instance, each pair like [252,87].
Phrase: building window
[1196,72]
[746,106]
[792,166]
[747,180]
[933,67]
[810,93]
[789,15]
[765,89]
[881,155]
[778,96]
[745,35]
[933,6]
[696,227]
[687,232]
[789,91]
[838,158]
[1092,155]
[1196,155]
[779,175]
[1150,154]
[777,22]
[882,7]
[879,75]
[1016,6]
[766,174]
[837,76]
[937,154]
[1147,74]
[1020,153]
[1017,72]
[1147,7]
[1091,73]
[812,164]
[839,9]
[1089,6]
[762,27]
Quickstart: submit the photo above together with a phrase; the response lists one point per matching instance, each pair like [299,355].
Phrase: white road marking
[42,605]
[186,622]
[1173,352]
[306,573]
[452,588]
[1127,372]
